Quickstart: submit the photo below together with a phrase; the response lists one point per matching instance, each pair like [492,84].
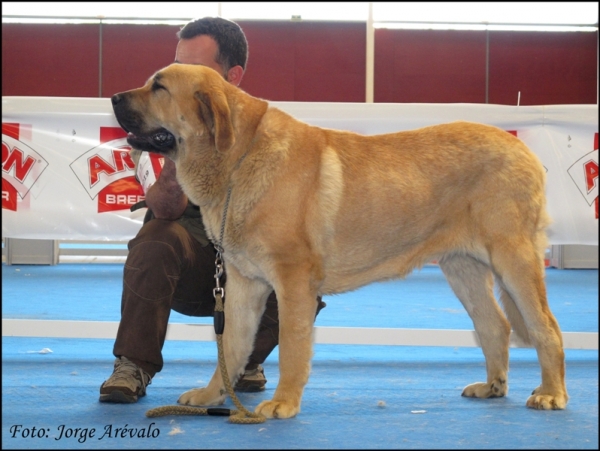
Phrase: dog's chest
[246,267]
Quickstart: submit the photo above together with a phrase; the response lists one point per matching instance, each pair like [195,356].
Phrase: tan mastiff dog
[314,211]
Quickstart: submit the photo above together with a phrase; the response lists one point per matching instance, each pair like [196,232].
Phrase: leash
[243,415]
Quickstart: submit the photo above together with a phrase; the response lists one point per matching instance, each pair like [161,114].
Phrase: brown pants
[168,269]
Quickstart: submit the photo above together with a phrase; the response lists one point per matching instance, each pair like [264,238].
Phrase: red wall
[548,68]
[313,61]
[427,66]
[131,54]
[50,60]
[306,61]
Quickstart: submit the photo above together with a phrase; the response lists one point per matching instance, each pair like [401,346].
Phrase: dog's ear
[215,112]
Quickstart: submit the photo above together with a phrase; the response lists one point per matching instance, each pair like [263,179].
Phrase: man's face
[199,50]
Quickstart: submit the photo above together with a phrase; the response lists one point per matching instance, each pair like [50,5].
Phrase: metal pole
[370,63]
[100,60]
[487,66]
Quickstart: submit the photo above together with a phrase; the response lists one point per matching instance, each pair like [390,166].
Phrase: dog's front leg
[297,308]
[245,301]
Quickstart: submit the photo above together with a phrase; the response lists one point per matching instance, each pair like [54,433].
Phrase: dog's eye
[156,86]
[163,138]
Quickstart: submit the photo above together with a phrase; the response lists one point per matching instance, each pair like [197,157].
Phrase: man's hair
[231,40]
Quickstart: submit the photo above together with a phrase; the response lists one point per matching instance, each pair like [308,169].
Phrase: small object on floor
[253,380]
[127,383]
[43,351]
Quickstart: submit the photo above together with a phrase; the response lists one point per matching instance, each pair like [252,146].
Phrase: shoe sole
[117,396]
[250,389]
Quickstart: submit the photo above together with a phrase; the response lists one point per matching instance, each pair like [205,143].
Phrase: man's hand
[165,198]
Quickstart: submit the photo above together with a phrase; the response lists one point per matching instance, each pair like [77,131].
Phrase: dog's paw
[277,409]
[201,397]
[496,389]
[543,401]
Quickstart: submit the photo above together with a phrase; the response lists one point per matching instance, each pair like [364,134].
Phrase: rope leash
[243,415]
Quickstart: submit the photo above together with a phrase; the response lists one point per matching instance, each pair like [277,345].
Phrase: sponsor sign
[106,172]
[67,171]
[584,173]
[22,166]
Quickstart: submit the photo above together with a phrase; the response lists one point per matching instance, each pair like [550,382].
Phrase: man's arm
[165,198]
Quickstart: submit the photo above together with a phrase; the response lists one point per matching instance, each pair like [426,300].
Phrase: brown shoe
[127,382]
[252,380]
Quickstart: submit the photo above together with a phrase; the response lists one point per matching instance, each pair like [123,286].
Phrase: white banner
[67,173]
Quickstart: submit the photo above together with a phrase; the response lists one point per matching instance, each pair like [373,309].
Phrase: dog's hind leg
[245,301]
[519,267]
[472,282]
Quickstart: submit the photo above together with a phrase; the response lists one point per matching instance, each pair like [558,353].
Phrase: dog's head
[177,104]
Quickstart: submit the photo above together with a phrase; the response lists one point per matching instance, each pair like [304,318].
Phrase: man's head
[214,42]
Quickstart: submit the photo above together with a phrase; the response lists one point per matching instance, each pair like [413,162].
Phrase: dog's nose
[116,99]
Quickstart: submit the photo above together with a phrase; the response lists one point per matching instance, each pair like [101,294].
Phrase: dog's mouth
[158,141]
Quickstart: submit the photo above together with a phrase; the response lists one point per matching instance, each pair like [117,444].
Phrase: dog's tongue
[132,136]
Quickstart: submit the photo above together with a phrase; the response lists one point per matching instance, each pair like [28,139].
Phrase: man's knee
[158,230]
[156,259]
[170,233]
[156,241]
[152,270]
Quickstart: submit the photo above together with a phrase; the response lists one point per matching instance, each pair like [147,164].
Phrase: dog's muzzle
[159,140]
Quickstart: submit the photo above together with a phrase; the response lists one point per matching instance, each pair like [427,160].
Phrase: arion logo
[21,165]
[106,172]
[584,173]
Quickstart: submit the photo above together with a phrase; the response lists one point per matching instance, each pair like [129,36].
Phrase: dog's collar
[219,244]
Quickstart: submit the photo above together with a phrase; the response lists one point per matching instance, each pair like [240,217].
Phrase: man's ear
[234,75]
[214,111]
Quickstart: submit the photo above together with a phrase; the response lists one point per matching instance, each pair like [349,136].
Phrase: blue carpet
[357,396]
[92,292]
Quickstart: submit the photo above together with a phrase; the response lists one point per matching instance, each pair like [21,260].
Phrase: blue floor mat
[423,300]
[357,397]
